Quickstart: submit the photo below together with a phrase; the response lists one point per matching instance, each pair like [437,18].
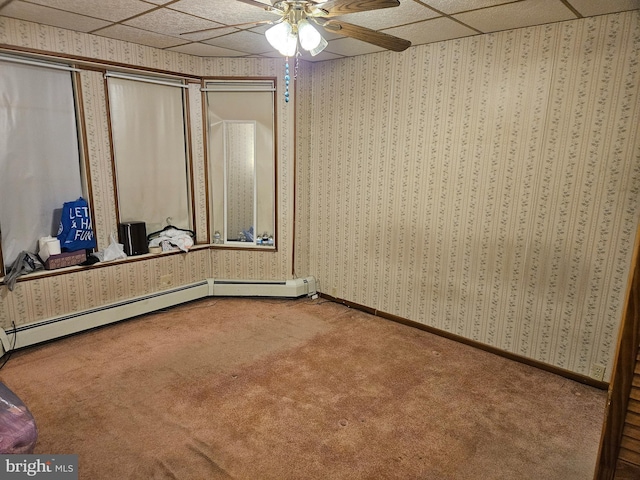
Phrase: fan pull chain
[286,80]
[287,76]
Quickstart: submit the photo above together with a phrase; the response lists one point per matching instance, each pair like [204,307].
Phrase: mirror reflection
[241,162]
[239,153]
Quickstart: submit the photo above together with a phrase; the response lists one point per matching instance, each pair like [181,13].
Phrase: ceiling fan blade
[265,6]
[380,39]
[342,7]
[261,22]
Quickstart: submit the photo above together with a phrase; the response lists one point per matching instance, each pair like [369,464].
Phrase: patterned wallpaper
[47,297]
[94,107]
[43,297]
[198,187]
[487,186]
[56,40]
[304,131]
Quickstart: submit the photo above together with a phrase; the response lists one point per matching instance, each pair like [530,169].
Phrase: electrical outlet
[334,291]
[597,371]
[165,280]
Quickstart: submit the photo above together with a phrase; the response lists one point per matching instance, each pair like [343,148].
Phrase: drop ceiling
[163,23]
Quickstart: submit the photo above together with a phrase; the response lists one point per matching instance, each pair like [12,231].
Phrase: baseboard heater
[56,327]
[263,288]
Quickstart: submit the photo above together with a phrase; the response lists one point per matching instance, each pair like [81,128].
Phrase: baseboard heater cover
[56,327]
[42,331]
[263,288]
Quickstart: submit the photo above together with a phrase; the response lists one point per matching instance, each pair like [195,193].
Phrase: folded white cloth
[172,238]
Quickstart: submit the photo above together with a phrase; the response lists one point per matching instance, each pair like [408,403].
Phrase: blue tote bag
[75,231]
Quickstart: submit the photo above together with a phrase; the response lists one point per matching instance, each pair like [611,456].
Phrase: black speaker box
[133,235]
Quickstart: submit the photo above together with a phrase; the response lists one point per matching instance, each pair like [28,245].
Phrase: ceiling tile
[271,54]
[259,29]
[435,30]
[202,50]
[243,41]
[113,10]
[455,6]
[170,22]
[408,12]
[321,57]
[209,34]
[224,11]
[51,16]
[517,15]
[598,7]
[143,37]
[328,34]
[351,46]
[155,22]
[324,55]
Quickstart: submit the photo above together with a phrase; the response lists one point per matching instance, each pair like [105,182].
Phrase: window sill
[136,258]
[79,268]
[244,246]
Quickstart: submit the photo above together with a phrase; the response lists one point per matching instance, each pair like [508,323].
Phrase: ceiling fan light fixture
[320,47]
[278,34]
[310,38]
[290,46]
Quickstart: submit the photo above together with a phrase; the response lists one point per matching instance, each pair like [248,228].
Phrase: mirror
[239,164]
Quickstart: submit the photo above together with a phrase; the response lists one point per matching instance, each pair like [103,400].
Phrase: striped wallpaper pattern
[83,289]
[42,297]
[198,186]
[94,107]
[486,186]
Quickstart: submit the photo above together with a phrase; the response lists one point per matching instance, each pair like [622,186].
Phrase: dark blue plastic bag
[75,231]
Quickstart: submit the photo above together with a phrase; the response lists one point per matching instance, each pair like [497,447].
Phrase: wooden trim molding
[487,348]
[89,63]
[85,171]
[186,112]
[205,148]
[622,375]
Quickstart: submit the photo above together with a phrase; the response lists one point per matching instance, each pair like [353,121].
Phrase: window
[40,165]
[151,165]
[241,160]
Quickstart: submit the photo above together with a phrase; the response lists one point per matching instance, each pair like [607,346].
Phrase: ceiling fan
[297,16]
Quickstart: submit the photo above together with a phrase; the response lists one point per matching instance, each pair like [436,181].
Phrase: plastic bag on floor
[18,432]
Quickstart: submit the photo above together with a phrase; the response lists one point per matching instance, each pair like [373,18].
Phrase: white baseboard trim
[61,326]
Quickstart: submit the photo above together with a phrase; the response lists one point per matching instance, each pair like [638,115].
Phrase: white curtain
[39,159]
[147,122]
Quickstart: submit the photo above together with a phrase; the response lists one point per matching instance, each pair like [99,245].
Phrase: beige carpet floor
[299,389]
